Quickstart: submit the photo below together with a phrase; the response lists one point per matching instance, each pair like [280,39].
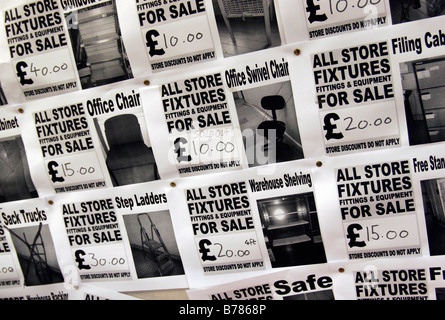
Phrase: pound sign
[80,260]
[152,43]
[53,173]
[329,127]
[352,236]
[203,249]
[180,151]
[312,9]
[21,74]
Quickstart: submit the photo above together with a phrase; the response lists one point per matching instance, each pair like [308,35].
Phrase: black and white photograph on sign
[318,295]
[423,83]
[440,293]
[291,230]
[153,244]
[3,99]
[37,255]
[269,125]
[15,178]
[246,25]
[410,10]
[97,45]
[433,193]
[128,153]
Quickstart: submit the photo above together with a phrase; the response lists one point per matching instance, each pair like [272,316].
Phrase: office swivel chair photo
[272,103]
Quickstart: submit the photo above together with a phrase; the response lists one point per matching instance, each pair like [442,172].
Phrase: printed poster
[39,60]
[305,283]
[396,280]
[99,140]
[121,239]
[386,207]
[119,121]
[56,47]
[164,35]
[64,146]
[266,106]
[366,92]
[322,19]
[196,125]
[247,224]
[299,118]
[241,115]
[402,279]
[29,253]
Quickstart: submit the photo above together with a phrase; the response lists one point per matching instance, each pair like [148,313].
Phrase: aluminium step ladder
[154,247]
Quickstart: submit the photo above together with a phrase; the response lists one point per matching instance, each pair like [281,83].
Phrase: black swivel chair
[129,160]
[272,103]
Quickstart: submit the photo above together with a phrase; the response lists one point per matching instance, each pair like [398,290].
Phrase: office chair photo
[129,159]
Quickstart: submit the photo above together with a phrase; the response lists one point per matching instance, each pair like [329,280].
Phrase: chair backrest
[273,103]
[122,129]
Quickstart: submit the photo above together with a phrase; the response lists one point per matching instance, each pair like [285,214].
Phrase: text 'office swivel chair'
[129,159]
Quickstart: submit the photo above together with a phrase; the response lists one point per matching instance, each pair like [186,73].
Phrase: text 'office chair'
[129,159]
[272,103]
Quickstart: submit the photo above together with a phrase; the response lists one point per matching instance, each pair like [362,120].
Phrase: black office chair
[129,160]
[272,103]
